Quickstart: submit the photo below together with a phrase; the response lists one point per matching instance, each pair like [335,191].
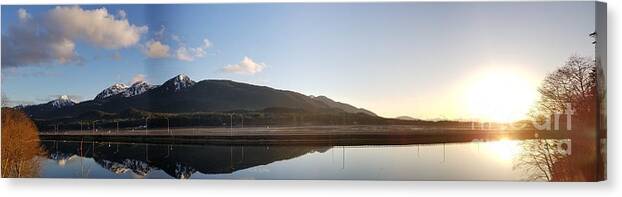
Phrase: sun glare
[499,95]
[504,149]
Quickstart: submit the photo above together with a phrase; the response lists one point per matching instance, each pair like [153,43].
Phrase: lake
[476,160]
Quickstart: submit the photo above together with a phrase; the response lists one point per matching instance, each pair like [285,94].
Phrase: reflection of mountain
[176,160]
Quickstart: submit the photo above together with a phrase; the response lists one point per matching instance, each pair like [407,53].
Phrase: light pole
[146,125]
[168,128]
[94,126]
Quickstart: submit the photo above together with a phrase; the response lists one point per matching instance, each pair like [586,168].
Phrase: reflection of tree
[543,159]
[572,85]
[20,145]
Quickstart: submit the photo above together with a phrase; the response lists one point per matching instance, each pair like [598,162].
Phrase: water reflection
[178,161]
[532,160]
[560,160]
[453,161]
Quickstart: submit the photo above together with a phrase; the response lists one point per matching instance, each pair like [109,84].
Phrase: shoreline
[321,135]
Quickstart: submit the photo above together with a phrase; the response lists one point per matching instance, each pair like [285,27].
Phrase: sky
[425,60]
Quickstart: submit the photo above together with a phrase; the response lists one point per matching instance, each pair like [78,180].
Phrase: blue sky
[392,58]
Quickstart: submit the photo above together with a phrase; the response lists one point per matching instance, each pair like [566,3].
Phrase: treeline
[269,117]
[208,119]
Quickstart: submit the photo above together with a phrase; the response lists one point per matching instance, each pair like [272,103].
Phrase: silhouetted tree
[573,85]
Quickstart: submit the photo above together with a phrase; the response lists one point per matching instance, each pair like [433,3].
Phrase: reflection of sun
[504,149]
[500,95]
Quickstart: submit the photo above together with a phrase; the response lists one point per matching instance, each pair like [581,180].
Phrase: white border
[179,188]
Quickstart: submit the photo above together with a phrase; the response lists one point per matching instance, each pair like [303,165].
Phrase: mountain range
[124,90]
[181,94]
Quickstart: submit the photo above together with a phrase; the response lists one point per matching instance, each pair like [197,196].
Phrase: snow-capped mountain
[174,84]
[115,167]
[178,82]
[124,90]
[138,88]
[180,94]
[62,101]
[115,89]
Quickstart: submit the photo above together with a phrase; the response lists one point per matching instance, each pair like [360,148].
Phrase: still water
[479,160]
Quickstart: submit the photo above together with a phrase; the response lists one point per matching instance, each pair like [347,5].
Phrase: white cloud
[155,49]
[95,26]
[183,54]
[51,36]
[207,43]
[23,15]
[247,66]
[198,52]
[159,35]
[137,78]
[190,53]
[64,51]
[122,14]
[24,45]
[176,38]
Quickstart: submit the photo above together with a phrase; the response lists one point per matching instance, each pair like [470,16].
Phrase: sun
[499,95]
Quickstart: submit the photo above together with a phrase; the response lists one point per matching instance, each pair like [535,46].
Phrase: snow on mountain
[124,90]
[138,88]
[183,171]
[62,101]
[178,82]
[115,89]
[115,167]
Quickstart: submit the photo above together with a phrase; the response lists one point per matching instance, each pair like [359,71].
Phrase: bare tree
[573,84]
[20,145]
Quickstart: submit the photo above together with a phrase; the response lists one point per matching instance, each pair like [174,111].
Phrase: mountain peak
[182,77]
[114,89]
[138,82]
[178,82]
[137,88]
[62,101]
[119,85]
